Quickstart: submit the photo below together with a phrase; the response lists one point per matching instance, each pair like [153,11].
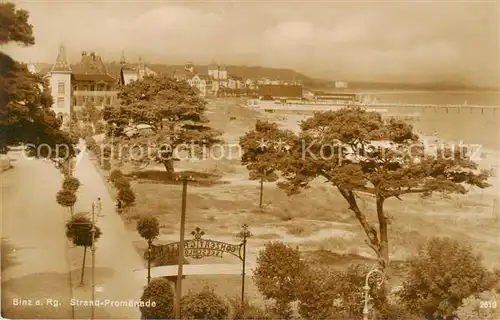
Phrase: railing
[81,93]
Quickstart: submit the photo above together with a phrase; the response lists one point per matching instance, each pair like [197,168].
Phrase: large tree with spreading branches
[357,152]
[173,110]
[25,101]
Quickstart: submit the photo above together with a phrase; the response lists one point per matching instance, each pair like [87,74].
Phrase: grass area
[317,220]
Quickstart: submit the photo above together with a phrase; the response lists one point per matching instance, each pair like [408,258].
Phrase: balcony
[88,93]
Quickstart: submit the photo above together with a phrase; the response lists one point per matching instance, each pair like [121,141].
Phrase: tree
[66,198]
[126,196]
[114,175]
[203,305]
[174,111]
[90,114]
[149,228]
[121,183]
[484,306]
[99,127]
[260,158]
[15,25]
[358,151]
[160,292]
[443,274]
[26,115]
[71,184]
[79,231]
[279,272]
[247,311]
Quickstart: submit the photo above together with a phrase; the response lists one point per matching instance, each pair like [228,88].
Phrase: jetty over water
[387,108]
[434,108]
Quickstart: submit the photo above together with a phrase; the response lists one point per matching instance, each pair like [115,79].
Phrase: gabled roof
[61,64]
[90,63]
[92,77]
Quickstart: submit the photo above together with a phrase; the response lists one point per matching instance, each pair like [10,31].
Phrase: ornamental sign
[198,248]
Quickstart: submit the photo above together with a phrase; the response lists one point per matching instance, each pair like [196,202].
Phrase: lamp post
[149,260]
[366,288]
[93,230]
[244,234]
[185,180]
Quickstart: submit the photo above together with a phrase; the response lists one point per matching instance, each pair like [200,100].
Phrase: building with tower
[73,86]
[60,86]
[129,73]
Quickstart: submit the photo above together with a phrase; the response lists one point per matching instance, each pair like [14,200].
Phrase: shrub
[484,306]
[324,293]
[279,272]
[66,198]
[126,196]
[148,227]
[121,183]
[115,174]
[247,311]
[79,230]
[87,130]
[99,127]
[203,305]
[71,183]
[160,292]
[443,274]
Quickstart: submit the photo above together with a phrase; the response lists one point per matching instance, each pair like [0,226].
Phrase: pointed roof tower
[123,62]
[61,64]
[141,63]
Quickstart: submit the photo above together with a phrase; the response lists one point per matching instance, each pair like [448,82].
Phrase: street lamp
[366,288]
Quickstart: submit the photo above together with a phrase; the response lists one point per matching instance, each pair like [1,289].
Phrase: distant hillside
[249,72]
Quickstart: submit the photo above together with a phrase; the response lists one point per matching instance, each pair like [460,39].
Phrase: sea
[470,127]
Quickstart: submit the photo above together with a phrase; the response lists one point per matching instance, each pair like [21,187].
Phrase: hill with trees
[254,72]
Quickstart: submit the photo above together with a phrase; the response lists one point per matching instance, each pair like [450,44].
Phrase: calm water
[471,127]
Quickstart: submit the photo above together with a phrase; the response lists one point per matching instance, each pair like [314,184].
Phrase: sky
[411,41]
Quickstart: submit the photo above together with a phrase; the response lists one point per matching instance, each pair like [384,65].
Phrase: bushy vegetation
[80,232]
[204,305]
[279,272]
[160,292]
[71,184]
[443,274]
[483,306]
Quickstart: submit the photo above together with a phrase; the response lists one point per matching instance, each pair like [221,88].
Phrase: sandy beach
[488,158]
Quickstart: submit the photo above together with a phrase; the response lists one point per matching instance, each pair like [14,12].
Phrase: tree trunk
[261,191]
[83,264]
[370,231]
[169,166]
[71,209]
[382,222]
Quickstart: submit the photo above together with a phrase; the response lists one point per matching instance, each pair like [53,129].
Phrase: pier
[384,108]
[435,108]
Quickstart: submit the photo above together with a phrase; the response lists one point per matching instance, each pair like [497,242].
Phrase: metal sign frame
[198,248]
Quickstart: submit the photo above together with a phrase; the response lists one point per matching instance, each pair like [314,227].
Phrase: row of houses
[88,81]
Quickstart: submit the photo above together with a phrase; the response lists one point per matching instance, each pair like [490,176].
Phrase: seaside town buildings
[89,81]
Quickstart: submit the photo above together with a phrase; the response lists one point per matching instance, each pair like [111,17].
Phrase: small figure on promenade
[118,205]
[99,207]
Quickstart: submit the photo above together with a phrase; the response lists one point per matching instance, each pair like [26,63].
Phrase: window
[61,88]
[60,102]
[108,101]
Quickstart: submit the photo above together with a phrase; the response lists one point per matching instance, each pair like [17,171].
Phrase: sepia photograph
[250,159]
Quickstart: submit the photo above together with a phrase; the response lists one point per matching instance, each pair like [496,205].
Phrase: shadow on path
[201,179]
[45,296]
[8,251]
